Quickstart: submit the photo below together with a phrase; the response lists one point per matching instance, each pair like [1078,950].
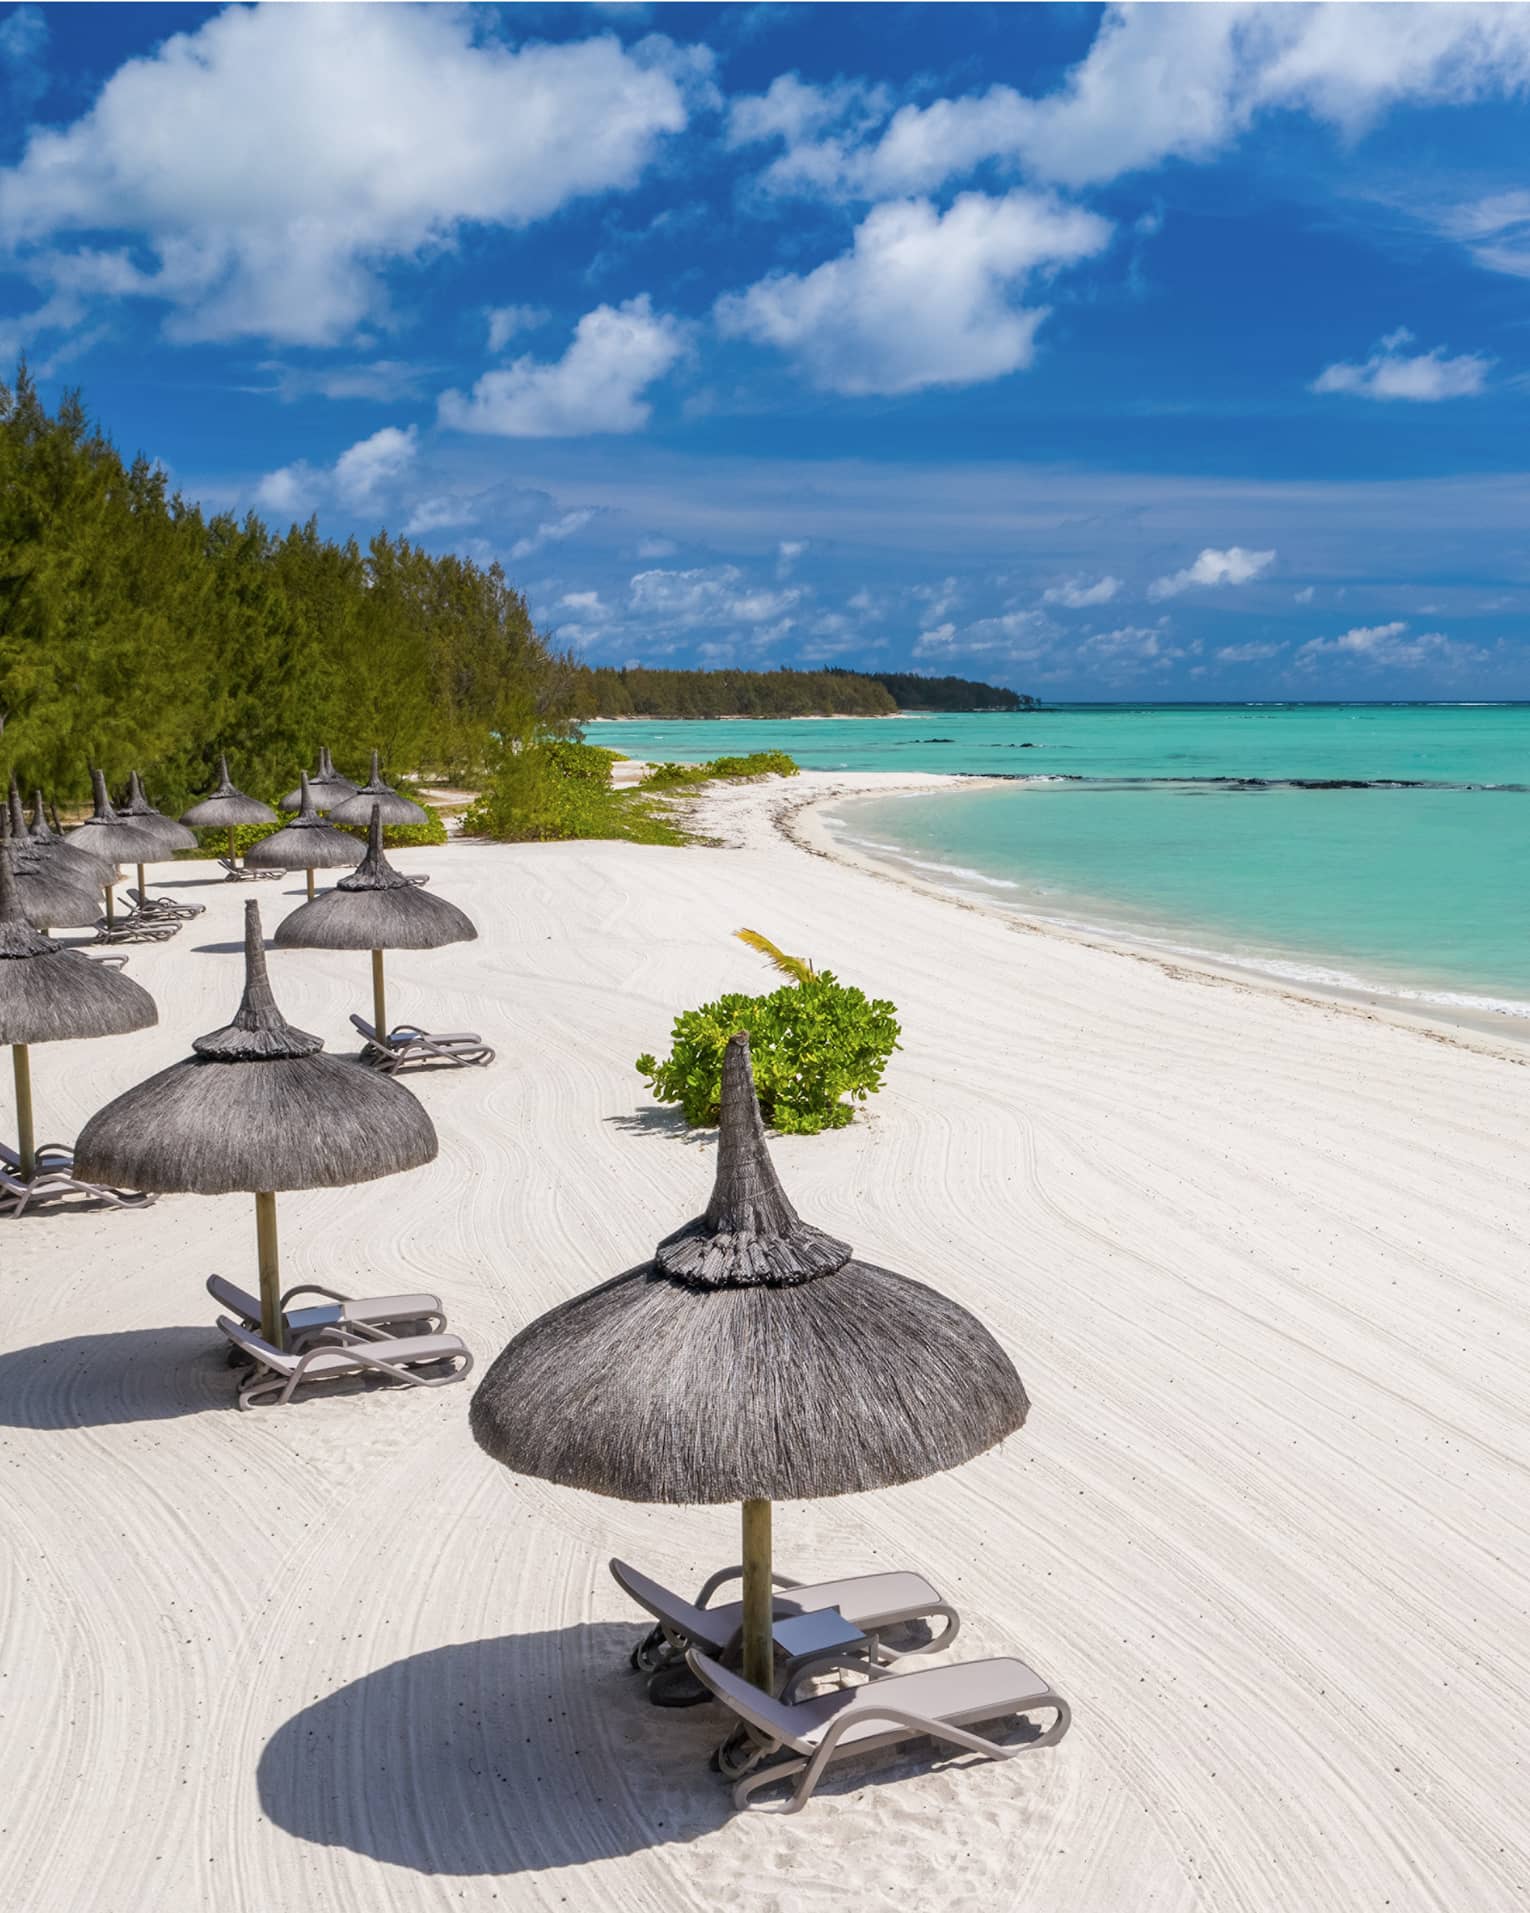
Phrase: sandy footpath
[1261,1262]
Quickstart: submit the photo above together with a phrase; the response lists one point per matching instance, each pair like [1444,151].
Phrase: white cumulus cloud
[1390,647]
[1212,569]
[1247,653]
[552,531]
[1077,595]
[265,164]
[1158,82]
[1392,372]
[616,353]
[360,477]
[923,298]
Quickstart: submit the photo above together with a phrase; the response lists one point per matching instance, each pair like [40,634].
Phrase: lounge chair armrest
[313,1288]
[723,1575]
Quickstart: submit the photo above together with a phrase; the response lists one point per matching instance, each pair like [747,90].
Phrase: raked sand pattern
[1260,1261]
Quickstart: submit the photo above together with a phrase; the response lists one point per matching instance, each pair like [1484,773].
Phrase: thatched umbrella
[257,1108]
[225,808]
[76,861]
[170,835]
[752,1359]
[327,787]
[104,833]
[394,809]
[375,909]
[49,994]
[46,894]
[306,844]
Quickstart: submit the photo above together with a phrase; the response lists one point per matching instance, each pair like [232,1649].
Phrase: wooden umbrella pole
[270,1268]
[759,1601]
[26,1139]
[231,857]
[111,906]
[143,888]
[379,998]
[309,875]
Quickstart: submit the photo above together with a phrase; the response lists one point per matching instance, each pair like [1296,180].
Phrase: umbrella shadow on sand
[100,1381]
[529,1752]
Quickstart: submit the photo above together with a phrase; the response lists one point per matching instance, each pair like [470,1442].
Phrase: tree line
[138,632]
[833,692]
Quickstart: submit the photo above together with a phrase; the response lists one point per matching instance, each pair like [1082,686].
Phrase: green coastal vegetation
[637,691]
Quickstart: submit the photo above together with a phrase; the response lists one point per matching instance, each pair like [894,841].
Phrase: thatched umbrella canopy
[105,834]
[376,909]
[49,994]
[171,836]
[394,809]
[227,807]
[257,1108]
[753,1359]
[307,843]
[327,787]
[76,861]
[47,894]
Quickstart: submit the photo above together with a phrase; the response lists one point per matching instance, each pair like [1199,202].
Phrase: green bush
[560,789]
[756,764]
[813,1045]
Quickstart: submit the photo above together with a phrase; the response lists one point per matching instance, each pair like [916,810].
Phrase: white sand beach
[1260,1260]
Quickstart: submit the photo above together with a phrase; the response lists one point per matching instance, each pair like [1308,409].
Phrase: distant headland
[640,692]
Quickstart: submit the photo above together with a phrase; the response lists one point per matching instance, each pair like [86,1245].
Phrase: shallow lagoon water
[1207,829]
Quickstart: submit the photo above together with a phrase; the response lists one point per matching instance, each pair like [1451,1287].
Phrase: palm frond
[797,968]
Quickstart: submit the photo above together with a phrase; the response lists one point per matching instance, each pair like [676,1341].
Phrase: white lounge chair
[942,1703]
[165,906]
[277,1373]
[137,927]
[54,1177]
[241,873]
[367,1318]
[878,1604]
[405,1044]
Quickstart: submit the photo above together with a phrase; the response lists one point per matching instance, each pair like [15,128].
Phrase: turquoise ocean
[1380,848]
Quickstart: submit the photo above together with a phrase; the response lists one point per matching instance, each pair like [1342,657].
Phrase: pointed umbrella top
[227,806]
[327,786]
[375,908]
[394,809]
[76,862]
[104,832]
[259,1030]
[256,1107]
[775,1364]
[50,994]
[139,811]
[750,1231]
[306,843]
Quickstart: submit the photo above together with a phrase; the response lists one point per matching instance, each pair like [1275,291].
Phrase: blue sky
[1160,352]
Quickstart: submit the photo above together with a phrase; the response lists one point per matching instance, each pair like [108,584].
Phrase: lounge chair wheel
[648,1656]
[739,1754]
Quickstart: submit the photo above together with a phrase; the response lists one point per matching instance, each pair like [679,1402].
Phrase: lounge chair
[54,1176]
[135,927]
[367,1318]
[113,959]
[940,1702]
[405,1044]
[241,873]
[277,1373]
[878,1604]
[165,906]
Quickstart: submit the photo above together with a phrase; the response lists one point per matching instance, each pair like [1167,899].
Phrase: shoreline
[1497,1033]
